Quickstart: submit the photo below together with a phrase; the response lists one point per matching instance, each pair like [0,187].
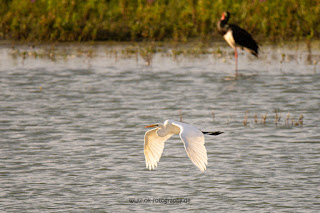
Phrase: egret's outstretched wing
[153,147]
[193,140]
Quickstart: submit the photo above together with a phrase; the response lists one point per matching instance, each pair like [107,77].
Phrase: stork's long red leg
[236,58]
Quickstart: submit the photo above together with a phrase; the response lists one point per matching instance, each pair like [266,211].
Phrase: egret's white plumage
[192,138]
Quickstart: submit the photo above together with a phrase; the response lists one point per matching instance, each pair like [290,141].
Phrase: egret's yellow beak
[153,125]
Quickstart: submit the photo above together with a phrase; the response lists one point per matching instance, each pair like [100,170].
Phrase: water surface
[72,130]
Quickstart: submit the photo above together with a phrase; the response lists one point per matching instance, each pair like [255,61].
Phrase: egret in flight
[191,136]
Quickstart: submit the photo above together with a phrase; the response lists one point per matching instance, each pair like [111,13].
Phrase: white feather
[229,38]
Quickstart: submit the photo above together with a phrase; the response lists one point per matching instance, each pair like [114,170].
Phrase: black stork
[236,37]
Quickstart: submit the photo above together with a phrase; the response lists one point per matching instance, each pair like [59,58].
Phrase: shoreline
[314,43]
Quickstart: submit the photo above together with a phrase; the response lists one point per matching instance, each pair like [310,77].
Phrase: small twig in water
[301,119]
[264,118]
[287,120]
[255,118]
[245,121]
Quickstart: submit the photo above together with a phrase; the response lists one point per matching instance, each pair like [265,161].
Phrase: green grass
[154,20]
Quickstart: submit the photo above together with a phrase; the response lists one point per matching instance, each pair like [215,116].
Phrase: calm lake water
[72,129]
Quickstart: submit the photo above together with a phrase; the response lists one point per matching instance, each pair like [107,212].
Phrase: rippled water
[72,130]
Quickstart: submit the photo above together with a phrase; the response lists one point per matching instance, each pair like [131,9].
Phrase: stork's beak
[153,125]
[222,16]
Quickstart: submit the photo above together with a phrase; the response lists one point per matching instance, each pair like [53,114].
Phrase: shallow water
[72,130]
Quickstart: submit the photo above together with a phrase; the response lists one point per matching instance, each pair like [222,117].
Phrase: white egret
[192,138]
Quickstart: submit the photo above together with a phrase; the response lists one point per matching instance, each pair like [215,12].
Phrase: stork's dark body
[243,39]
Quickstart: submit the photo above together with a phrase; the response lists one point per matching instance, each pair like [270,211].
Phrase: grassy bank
[134,20]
